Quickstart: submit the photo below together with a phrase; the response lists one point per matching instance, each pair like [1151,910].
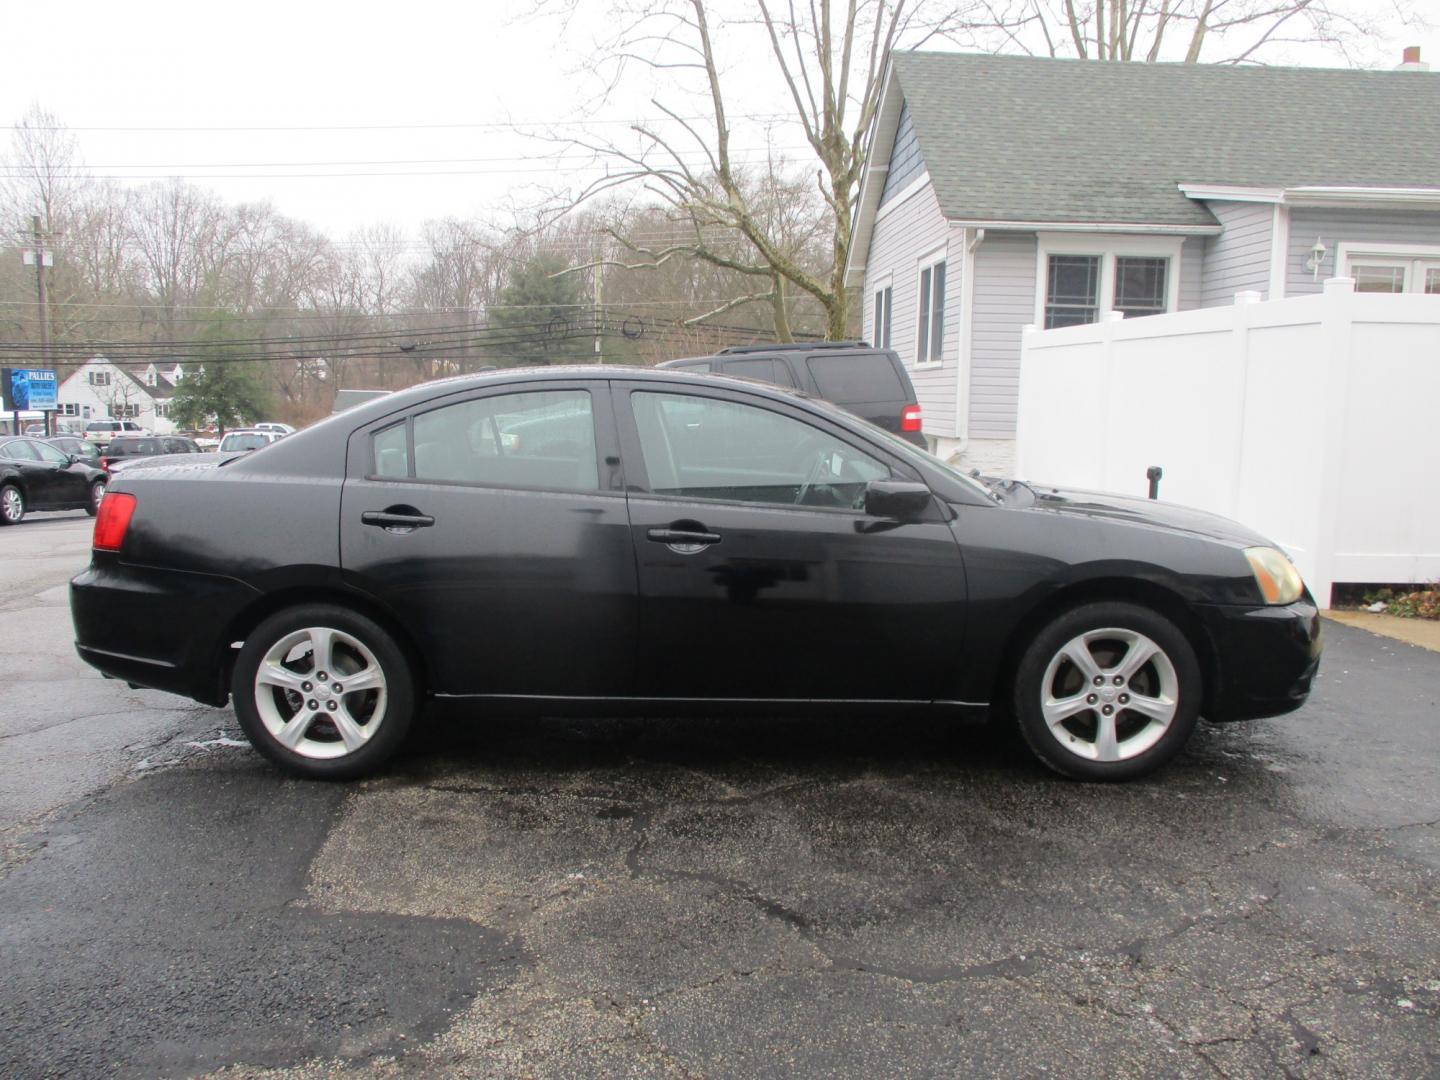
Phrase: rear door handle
[385,519]
[683,536]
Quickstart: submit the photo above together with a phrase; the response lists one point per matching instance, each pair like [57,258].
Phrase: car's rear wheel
[323,691]
[1108,691]
[97,492]
[12,505]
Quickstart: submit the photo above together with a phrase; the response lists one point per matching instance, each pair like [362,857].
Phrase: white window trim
[1408,256]
[1107,246]
[878,284]
[927,261]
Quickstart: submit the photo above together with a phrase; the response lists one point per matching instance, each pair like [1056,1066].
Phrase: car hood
[1152,513]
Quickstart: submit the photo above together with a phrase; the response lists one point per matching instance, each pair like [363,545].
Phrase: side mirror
[73,458]
[902,500]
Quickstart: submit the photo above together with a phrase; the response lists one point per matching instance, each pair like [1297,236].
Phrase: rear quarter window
[849,377]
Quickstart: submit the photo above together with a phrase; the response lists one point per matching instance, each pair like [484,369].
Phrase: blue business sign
[28,388]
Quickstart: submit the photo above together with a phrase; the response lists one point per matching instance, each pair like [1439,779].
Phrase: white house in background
[1002,191]
[101,389]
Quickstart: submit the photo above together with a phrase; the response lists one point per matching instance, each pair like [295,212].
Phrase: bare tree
[41,171]
[830,60]
[180,233]
[1215,31]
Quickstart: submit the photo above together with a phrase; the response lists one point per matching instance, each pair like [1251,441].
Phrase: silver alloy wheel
[320,692]
[97,492]
[1109,694]
[12,503]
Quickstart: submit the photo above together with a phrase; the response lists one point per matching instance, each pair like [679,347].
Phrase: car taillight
[112,520]
[105,463]
[910,418]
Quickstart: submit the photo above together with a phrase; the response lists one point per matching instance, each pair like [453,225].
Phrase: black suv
[869,382]
[127,446]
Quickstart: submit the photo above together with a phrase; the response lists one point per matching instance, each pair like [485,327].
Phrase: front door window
[705,448]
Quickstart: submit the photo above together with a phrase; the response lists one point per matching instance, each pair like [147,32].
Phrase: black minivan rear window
[852,377]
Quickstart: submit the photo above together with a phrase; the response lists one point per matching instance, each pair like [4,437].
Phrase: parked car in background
[247,439]
[129,448]
[85,451]
[871,383]
[206,440]
[37,476]
[275,426]
[599,539]
[100,432]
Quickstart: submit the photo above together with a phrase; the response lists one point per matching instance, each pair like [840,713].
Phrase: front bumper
[1265,658]
[162,629]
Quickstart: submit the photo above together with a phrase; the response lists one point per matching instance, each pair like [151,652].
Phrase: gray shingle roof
[1010,138]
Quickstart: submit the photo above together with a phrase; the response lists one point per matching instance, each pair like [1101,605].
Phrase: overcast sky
[471,69]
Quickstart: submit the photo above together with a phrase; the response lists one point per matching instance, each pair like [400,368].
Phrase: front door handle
[397,522]
[684,541]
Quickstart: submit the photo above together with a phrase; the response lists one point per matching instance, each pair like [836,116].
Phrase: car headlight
[1275,574]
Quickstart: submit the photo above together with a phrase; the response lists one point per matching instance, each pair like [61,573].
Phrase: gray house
[1002,192]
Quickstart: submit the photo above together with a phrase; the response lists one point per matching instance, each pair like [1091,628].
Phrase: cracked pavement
[722,897]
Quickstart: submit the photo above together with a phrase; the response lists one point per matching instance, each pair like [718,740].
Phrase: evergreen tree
[545,314]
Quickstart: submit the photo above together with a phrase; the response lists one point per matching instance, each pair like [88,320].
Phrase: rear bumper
[1266,658]
[161,629]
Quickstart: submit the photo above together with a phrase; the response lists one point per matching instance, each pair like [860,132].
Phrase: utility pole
[41,255]
[595,275]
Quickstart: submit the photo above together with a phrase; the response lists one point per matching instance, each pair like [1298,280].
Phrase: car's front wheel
[323,691]
[1108,691]
[12,505]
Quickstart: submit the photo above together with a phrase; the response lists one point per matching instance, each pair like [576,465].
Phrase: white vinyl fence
[1312,419]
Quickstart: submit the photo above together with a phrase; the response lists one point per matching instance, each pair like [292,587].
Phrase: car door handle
[388,519]
[683,536]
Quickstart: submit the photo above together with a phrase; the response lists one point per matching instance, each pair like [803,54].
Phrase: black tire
[393,721]
[97,492]
[1075,746]
[12,504]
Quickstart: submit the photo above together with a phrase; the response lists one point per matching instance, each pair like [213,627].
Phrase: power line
[482,124]
[81,171]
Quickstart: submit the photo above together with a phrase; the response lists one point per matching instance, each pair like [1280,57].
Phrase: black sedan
[37,476]
[613,540]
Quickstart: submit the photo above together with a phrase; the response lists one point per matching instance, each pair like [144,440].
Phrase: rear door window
[392,451]
[845,378]
[538,439]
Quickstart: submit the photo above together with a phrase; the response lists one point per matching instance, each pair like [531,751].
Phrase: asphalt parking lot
[679,898]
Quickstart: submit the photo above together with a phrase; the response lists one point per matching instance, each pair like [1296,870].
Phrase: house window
[930,327]
[1082,277]
[99,378]
[69,409]
[124,412]
[162,409]
[1373,277]
[1072,293]
[1140,285]
[882,317]
[1399,268]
